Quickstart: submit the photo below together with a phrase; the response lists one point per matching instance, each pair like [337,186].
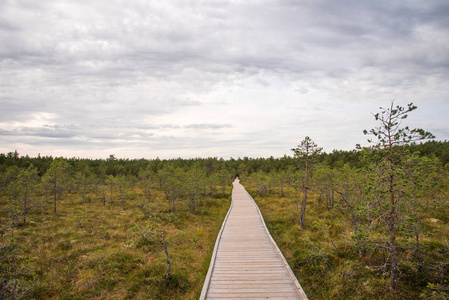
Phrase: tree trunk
[304,198]
[54,195]
[25,209]
[111,191]
[392,223]
[332,198]
[418,252]
[164,244]
[394,260]
[351,209]
[122,195]
[303,210]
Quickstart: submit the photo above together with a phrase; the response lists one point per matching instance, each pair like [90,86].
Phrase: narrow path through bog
[246,263]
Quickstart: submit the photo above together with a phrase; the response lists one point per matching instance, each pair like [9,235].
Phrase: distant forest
[376,223]
[119,166]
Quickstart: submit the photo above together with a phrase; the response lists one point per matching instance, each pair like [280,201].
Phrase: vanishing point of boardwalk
[246,263]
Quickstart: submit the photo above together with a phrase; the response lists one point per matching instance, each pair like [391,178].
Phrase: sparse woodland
[371,223]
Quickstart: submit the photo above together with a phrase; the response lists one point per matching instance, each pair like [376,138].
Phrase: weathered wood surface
[246,263]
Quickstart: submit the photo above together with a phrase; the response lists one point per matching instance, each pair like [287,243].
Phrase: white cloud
[214,78]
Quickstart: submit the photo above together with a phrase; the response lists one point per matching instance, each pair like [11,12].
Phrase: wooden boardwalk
[246,263]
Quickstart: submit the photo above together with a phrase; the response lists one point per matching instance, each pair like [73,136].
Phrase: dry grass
[326,272]
[91,251]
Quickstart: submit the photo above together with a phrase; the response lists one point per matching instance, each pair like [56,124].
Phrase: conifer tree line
[386,191]
[110,181]
[23,176]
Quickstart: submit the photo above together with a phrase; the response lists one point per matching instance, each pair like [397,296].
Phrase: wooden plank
[263,294]
[249,298]
[246,263]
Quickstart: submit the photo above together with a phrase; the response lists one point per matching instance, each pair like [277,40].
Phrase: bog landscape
[224,149]
[371,223]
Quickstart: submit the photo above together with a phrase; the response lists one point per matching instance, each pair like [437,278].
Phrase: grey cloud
[8,26]
[46,131]
[302,90]
[185,102]
[111,67]
[208,126]
[162,126]
[170,44]
[17,109]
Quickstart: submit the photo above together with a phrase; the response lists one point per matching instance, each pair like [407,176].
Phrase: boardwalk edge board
[281,256]
[214,254]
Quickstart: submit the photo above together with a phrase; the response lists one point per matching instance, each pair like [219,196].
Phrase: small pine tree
[390,136]
[305,152]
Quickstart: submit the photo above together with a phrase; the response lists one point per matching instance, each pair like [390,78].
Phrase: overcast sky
[141,78]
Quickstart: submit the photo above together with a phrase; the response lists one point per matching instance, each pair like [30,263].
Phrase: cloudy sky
[227,78]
